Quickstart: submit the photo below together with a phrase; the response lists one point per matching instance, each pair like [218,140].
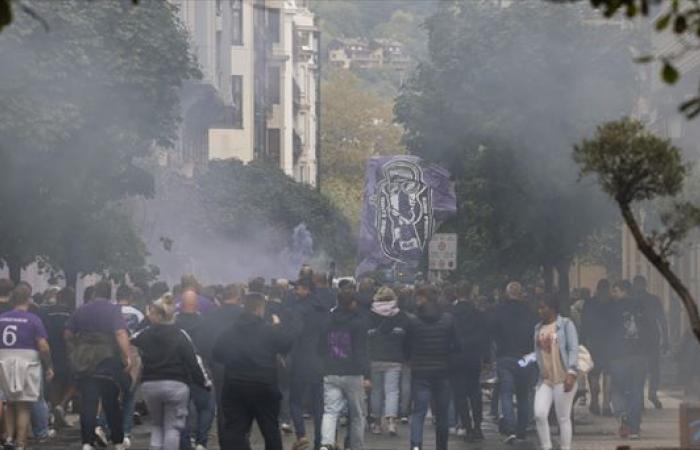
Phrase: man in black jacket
[430,341]
[343,349]
[465,365]
[248,351]
[658,335]
[512,328]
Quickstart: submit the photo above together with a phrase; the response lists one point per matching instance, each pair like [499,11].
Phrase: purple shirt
[98,316]
[21,330]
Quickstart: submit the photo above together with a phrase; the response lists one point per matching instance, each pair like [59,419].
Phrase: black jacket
[472,336]
[343,344]
[512,326]
[654,310]
[212,325]
[386,337]
[327,297]
[630,329]
[248,349]
[305,361]
[596,329]
[168,353]
[430,341]
[55,318]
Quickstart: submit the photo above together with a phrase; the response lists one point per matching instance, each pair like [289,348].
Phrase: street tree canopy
[633,165]
[80,105]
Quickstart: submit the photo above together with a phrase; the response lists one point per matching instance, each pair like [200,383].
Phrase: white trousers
[563,402]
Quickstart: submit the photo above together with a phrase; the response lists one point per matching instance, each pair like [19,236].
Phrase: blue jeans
[128,401]
[386,377]
[40,418]
[338,392]
[628,377]
[423,390]
[202,406]
[518,381]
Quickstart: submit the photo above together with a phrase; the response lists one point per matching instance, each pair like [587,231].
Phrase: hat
[385,294]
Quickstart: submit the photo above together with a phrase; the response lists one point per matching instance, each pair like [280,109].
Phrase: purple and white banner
[405,200]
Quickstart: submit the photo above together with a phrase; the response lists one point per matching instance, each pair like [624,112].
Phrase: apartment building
[367,54]
[259,97]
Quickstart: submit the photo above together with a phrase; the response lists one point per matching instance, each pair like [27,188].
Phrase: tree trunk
[563,269]
[664,268]
[71,278]
[15,270]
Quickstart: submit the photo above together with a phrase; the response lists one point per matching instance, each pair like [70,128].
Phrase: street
[660,429]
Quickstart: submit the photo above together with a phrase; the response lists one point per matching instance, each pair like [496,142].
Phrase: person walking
[305,362]
[98,343]
[556,350]
[511,329]
[386,339]
[595,335]
[465,364]
[248,350]
[628,358]
[346,368]
[24,349]
[430,341]
[170,367]
[658,336]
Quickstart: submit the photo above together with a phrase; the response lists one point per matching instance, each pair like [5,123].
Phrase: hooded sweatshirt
[306,364]
[168,354]
[343,344]
[472,334]
[431,340]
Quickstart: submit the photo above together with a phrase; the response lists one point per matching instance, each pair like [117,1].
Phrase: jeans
[337,390]
[203,408]
[628,376]
[242,403]
[386,378]
[654,364]
[424,389]
[468,401]
[40,418]
[297,392]
[513,379]
[563,402]
[167,402]
[129,402]
[92,391]
[405,401]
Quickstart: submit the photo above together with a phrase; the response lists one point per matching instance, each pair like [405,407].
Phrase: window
[273,24]
[273,85]
[237,95]
[274,145]
[236,22]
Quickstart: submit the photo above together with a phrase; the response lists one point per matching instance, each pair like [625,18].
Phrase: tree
[632,166]
[236,220]
[679,18]
[80,105]
[357,124]
[499,103]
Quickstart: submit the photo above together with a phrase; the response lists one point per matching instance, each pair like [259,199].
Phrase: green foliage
[499,104]
[357,124]
[631,163]
[79,105]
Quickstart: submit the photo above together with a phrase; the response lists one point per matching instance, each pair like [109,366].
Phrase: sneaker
[404,420]
[391,426]
[510,440]
[127,442]
[49,436]
[657,403]
[101,437]
[635,437]
[453,430]
[286,428]
[88,447]
[326,447]
[8,445]
[119,446]
[200,447]
[376,428]
[137,418]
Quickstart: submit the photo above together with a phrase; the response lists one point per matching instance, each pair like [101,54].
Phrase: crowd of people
[370,356]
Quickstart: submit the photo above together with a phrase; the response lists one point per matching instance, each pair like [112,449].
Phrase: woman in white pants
[556,348]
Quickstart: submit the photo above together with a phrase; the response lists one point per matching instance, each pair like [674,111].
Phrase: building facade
[259,98]
[367,54]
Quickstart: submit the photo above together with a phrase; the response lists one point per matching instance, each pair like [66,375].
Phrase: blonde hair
[164,308]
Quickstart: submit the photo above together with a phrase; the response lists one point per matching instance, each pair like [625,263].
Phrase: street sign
[442,251]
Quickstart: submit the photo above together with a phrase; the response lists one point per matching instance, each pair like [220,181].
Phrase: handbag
[585,360]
